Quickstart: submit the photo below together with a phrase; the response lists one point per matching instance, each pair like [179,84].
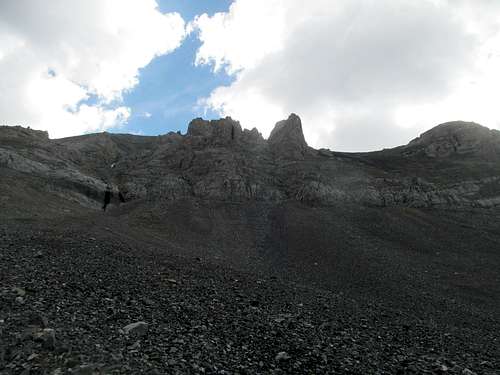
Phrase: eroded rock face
[458,137]
[215,132]
[13,133]
[287,138]
[221,132]
[217,160]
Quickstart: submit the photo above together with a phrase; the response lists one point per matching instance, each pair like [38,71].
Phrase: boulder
[282,356]
[46,336]
[137,329]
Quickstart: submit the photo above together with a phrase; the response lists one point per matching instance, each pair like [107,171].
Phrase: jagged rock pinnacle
[287,137]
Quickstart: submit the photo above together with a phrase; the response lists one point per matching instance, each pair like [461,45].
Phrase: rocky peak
[457,137]
[287,137]
[215,132]
[253,136]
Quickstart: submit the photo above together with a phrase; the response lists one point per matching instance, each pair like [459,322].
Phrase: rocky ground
[78,297]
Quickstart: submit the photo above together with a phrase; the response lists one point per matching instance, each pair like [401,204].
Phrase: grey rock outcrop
[215,132]
[458,137]
[287,138]
[221,132]
[452,165]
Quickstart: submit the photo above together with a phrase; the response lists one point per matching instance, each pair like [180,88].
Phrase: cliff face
[454,165]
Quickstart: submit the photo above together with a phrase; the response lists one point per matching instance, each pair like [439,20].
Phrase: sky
[362,74]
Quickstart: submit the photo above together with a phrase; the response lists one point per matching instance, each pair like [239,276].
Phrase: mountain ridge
[219,160]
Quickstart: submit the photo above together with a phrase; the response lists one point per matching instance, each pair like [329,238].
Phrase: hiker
[107,197]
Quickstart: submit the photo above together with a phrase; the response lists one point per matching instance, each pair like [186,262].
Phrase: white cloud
[56,55]
[362,74]
[234,41]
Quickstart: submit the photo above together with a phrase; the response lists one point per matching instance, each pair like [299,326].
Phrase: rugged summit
[221,132]
[454,165]
[287,138]
[459,137]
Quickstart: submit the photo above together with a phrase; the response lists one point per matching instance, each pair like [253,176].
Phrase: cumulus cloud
[362,74]
[224,34]
[65,65]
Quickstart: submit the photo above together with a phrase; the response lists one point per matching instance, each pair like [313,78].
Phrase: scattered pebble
[79,305]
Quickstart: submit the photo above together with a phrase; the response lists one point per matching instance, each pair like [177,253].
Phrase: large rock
[287,138]
[137,329]
[46,336]
[215,132]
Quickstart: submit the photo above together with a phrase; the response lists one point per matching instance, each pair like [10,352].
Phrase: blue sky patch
[171,85]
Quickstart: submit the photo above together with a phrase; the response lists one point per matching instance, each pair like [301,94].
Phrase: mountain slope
[349,262]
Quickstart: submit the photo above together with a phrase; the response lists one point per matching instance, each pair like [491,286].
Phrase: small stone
[62,348]
[85,370]
[20,300]
[443,368]
[20,291]
[135,346]
[37,319]
[282,356]
[136,329]
[172,281]
[117,357]
[172,362]
[71,362]
[47,336]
